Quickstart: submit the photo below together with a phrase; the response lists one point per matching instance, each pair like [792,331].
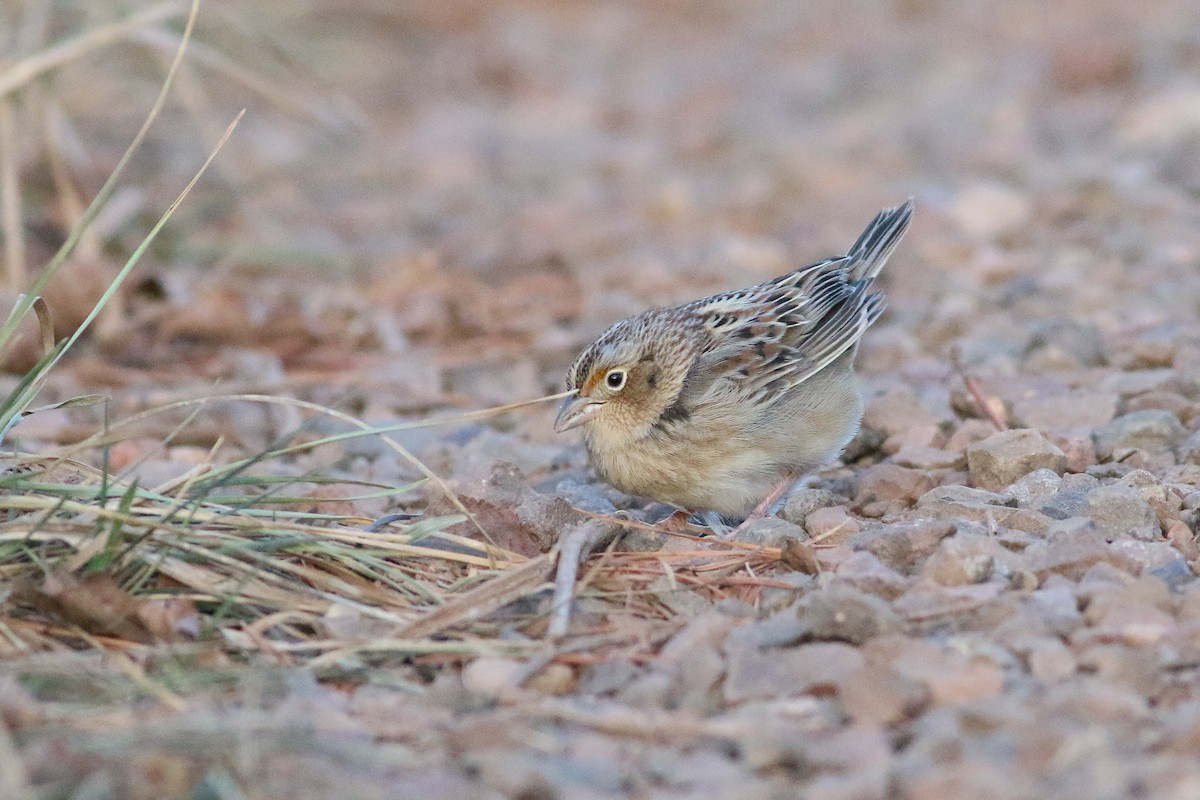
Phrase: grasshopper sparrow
[720,405]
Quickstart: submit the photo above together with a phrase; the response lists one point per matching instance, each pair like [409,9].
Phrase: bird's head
[629,378]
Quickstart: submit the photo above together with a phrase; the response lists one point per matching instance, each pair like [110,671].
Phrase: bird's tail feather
[868,255]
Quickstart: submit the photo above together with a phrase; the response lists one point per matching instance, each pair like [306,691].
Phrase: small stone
[831,557]
[1131,384]
[1050,661]
[774,672]
[771,532]
[584,496]
[547,516]
[607,676]
[896,411]
[802,502]
[694,660]
[951,677]
[19,708]
[925,457]
[953,607]
[1103,594]
[867,573]
[888,489]
[1189,603]
[1082,341]
[1174,402]
[1023,581]
[1121,512]
[1065,504]
[1056,607]
[865,443]
[903,546]
[553,679]
[1034,489]
[1069,500]
[1072,546]
[967,433]
[875,695]
[1136,625]
[831,525]
[1101,580]
[771,738]
[1064,412]
[1181,537]
[1004,457]
[1166,503]
[916,436]
[978,505]
[1153,429]
[780,629]
[1078,448]
[1150,556]
[964,496]
[842,613]
[1189,449]
[1175,573]
[1136,668]
[491,676]
[963,559]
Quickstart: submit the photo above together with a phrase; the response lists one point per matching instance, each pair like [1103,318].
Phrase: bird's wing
[767,339]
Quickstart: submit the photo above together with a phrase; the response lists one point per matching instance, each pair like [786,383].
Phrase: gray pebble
[1121,512]
[1152,429]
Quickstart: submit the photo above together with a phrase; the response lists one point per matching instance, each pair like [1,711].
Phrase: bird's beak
[574,412]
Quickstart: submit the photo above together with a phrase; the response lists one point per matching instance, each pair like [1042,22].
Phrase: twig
[576,545]
[990,407]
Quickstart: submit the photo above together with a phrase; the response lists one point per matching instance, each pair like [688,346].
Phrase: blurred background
[447,199]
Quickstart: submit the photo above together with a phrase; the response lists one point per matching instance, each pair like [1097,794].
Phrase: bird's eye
[615,379]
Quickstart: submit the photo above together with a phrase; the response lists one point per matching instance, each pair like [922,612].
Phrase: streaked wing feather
[769,338]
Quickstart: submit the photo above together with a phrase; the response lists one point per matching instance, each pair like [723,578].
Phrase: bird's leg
[763,508]
[677,521]
[681,522]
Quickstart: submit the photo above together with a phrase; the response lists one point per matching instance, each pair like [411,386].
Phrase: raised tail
[868,255]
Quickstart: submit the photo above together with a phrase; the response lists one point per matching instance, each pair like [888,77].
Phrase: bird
[720,406]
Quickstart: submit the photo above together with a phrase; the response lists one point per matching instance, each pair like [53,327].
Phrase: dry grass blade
[227,558]
[45,323]
[76,234]
[364,429]
[30,68]
[510,585]
[10,201]
[277,92]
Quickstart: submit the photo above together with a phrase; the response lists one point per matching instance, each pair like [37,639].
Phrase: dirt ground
[431,207]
